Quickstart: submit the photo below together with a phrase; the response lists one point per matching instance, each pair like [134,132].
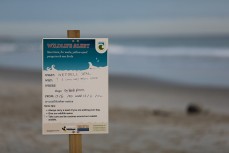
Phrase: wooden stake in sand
[75,140]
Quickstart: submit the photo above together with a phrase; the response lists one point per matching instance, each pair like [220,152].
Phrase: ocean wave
[19,47]
[170,51]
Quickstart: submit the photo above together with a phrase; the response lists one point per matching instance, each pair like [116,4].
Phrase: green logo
[101,46]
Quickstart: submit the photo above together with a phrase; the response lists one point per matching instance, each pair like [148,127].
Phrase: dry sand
[145,116]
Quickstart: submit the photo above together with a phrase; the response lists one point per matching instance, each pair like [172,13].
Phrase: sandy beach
[145,116]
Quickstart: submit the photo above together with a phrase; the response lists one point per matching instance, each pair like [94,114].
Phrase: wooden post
[75,140]
[73,33]
[75,143]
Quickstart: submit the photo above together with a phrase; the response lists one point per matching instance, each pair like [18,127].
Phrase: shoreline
[132,92]
[153,112]
[35,75]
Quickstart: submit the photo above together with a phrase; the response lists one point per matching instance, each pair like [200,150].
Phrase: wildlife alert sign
[75,86]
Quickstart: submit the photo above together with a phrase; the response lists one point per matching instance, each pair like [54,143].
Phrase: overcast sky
[118,17]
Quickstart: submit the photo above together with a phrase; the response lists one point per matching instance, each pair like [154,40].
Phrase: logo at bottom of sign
[77,129]
[85,128]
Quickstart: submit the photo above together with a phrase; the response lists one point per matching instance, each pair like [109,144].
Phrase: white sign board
[75,86]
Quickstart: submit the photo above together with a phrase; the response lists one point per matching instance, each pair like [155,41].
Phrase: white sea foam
[170,51]
[19,47]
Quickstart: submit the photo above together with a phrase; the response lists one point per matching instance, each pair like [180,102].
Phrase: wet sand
[145,116]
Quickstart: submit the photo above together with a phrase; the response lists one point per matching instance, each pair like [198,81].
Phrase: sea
[193,61]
